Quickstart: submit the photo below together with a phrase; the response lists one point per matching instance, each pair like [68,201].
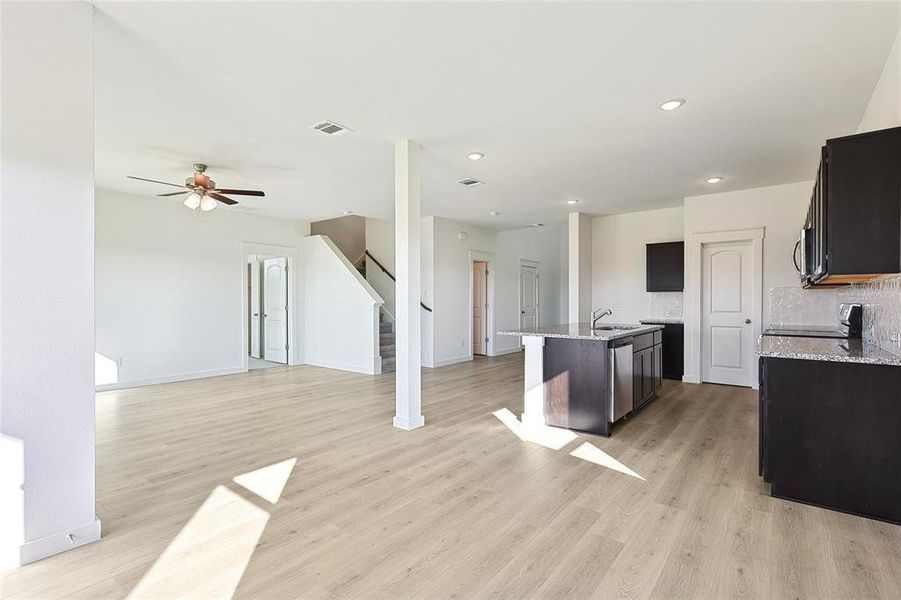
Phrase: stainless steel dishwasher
[621,380]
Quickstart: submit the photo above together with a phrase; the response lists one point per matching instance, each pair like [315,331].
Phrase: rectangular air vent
[469,182]
[331,128]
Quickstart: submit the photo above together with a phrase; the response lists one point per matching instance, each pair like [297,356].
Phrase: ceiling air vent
[469,182]
[331,128]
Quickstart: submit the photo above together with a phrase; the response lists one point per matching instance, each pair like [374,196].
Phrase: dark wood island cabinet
[830,431]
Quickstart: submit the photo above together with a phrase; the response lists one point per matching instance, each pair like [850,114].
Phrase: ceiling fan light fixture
[193,201]
[207,203]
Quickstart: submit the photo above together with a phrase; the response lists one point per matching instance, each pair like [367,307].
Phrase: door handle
[747,321]
[256,314]
[265,315]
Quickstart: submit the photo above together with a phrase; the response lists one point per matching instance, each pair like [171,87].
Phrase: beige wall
[619,260]
[348,233]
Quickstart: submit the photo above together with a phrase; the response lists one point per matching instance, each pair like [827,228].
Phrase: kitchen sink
[618,328]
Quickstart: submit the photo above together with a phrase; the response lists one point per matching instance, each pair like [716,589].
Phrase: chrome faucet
[595,317]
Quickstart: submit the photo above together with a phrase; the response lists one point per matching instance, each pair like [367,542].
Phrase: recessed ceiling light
[572,201]
[535,225]
[470,181]
[714,179]
[494,213]
[475,155]
[672,104]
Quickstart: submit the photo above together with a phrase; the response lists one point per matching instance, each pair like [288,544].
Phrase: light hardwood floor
[460,508]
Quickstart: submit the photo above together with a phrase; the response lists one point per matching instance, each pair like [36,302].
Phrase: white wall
[380,243]
[884,108]
[542,245]
[340,311]
[779,209]
[580,269]
[451,296]
[46,279]
[450,288]
[619,260]
[170,285]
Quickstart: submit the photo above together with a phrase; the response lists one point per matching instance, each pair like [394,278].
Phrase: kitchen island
[587,379]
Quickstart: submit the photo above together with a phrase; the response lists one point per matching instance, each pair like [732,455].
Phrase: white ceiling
[560,97]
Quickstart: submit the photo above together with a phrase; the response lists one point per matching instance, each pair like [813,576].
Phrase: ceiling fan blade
[241,192]
[221,198]
[181,185]
[185,191]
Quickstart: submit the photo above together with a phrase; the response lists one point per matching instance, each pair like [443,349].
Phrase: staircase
[386,343]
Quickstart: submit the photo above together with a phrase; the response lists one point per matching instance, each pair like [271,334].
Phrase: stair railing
[365,254]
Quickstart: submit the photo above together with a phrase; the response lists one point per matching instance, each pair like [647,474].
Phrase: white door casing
[255,318]
[528,295]
[727,313]
[275,310]
[479,308]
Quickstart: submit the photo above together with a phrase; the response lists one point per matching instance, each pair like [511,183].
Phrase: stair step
[387,350]
[388,364]
[386,337]
[386,327]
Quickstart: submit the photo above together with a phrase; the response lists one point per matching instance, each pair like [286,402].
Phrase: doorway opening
[724,306]
[528,294]
[268,312]
[479,307]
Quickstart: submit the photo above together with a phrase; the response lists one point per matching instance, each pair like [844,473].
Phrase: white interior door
[275,310]
[479,308]
[528,296]
[255,318]
[727,333]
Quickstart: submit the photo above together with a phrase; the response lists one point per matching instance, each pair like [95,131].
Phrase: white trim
[409,424]
[693,249]
[373,369]
[253,251]
[59,542]
[486,257]
[524,262]
[509,351]
[449,361]
[169,379]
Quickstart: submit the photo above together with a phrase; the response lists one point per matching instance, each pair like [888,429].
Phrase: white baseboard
[341,366]
[448,361]
[169,379]
[508,351]
[690,379]
[59,542]
[409,424]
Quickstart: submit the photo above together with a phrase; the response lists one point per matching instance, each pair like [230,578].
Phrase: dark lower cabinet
[830,434]
[673,342]
[646,368]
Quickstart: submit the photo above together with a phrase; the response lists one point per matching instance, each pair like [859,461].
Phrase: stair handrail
[385,271]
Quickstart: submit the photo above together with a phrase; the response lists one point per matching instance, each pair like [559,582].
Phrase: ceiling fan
[202,190]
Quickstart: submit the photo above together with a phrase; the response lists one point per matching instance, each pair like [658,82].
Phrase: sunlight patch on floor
[209,555]
[269,482]
[549,437]
[591,453]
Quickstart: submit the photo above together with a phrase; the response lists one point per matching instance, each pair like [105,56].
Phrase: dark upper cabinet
[666,267]
[854,218]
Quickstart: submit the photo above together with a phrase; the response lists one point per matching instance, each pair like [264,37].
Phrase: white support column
[46,280]
[407,297]
[533,396]
[580,275]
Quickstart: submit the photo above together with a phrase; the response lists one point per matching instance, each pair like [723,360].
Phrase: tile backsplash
[881,302]
[665,305]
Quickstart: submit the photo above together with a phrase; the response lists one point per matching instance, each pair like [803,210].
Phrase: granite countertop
[664,320]
[583,331]
[835,350]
